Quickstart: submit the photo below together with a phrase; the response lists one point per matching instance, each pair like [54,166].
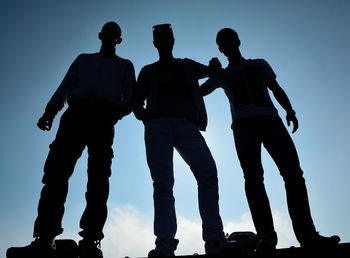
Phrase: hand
[214,65]
[45,122]
[292,118]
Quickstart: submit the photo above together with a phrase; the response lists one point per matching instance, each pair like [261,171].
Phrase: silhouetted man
[100,89]
[173,116]
[255,122]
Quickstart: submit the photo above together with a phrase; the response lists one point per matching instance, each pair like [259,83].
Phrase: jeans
[162,135]
[249,134]
[78,128]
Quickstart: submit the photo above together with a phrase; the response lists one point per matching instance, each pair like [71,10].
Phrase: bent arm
[59,98]
[284,101]
[142,91]
[280,95]
[206,89]
[129,91]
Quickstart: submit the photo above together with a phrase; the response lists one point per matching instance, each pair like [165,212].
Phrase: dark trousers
[79,127]
[249,134]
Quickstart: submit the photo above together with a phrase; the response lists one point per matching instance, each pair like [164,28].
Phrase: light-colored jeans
[162,135]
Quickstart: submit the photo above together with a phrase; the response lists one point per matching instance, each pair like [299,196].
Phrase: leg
[59,166]
[193,149]
[159,151]
[100,140]
[279,144]
[248,146]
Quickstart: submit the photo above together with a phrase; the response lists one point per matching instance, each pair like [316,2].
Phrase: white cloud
[129,233]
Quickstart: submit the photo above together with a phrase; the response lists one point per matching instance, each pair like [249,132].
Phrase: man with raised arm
[255,121]
[100,89]
[173,116]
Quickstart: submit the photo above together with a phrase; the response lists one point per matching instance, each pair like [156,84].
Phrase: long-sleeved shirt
[95,78]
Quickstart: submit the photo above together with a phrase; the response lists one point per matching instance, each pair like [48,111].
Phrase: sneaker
[154,253]
[247,240]
[90,249]
[266,245]
[170,251]
[218,247]
[318,241]
[39,248]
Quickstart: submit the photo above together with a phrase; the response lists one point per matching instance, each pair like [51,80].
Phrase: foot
[266,245]
[39,248]
[154,253]
[90,249]
[247,240]
[164,252]
[221,248]
[318,241]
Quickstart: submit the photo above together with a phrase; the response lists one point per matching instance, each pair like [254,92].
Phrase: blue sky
[305,42]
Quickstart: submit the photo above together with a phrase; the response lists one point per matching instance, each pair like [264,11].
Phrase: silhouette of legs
[280,146]
[248,146]
[159,150]
[162,136]
[99,170]
[192,147]
[77,129]
[64,152]
[249,134]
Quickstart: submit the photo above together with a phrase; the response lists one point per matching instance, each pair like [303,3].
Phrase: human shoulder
[265,67]
[258,61]
[199,70]
[149,68]
[189,61]
[87,55]
[123,61]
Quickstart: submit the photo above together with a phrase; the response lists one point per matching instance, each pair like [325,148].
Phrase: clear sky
[305,42]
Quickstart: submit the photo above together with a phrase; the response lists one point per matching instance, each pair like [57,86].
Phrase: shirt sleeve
[216,81]
[200,71]
[141,91]
[267,71]
[129,87]
[69,82]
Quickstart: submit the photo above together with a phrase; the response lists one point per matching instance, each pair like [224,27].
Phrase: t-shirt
[148,107]
[245,87]
[173,95]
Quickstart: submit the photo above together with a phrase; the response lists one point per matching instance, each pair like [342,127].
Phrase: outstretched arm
[59,98]
[283,100]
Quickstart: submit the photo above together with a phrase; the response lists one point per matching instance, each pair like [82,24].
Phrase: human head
[110,34]
[163,37]
[228,41]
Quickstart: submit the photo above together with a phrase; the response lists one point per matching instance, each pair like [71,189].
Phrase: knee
[97,189]
[206,174]
[253,175]
[61,160]
[254,181]
[100,164]
[294,176]
[163,187]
